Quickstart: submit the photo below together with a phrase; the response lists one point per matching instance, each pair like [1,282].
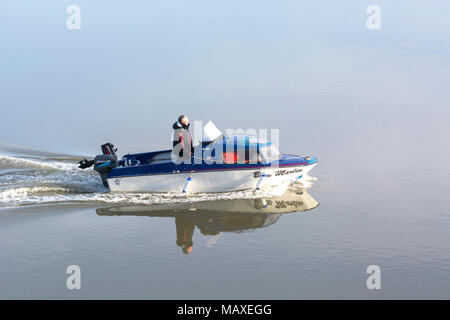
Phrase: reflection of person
[182,141]
[211,224]
[185,231]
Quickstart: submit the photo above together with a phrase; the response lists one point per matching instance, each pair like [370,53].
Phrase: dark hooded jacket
[182,136]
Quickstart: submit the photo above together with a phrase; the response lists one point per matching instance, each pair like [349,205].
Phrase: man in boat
[182,141]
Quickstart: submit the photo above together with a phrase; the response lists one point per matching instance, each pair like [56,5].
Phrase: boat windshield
[269,152]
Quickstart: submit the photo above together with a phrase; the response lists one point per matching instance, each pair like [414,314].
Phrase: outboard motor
[103,163]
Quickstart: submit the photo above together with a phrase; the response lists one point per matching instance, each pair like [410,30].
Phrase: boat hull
[210,181]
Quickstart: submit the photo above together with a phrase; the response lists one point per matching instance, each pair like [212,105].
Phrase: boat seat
[163,157]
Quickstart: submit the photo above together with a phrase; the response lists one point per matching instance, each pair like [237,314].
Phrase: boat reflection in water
[215,217]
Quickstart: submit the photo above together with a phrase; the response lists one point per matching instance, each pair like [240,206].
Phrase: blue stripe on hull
[171,168]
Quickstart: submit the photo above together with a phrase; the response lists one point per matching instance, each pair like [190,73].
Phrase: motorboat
[219,163]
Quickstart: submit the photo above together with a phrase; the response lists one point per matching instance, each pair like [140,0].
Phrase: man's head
[187,249]
[183,119]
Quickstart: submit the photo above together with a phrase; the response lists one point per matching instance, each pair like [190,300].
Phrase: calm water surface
[372,105]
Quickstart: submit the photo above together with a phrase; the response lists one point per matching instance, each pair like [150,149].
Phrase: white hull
[210,181]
